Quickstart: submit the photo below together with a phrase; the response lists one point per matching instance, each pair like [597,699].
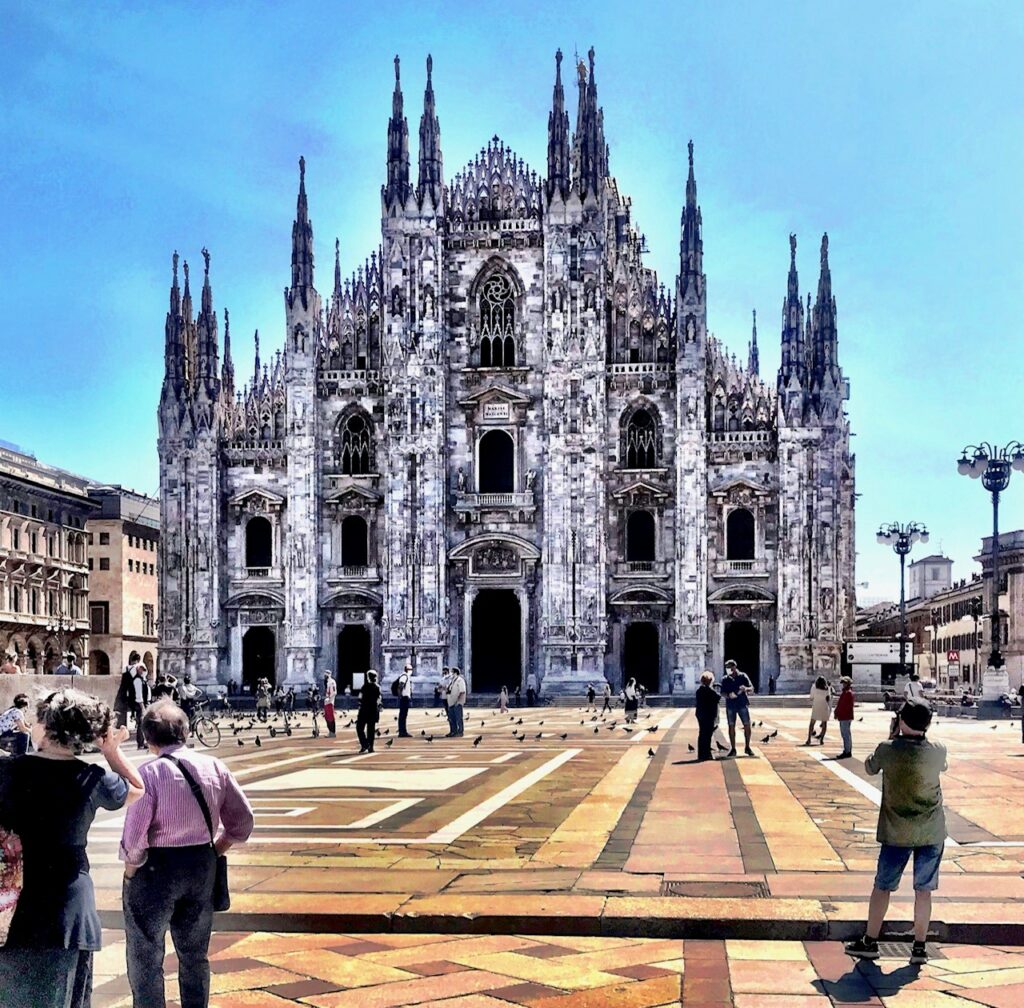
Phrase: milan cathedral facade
[502,444]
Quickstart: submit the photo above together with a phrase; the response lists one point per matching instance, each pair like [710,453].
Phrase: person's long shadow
[864,980]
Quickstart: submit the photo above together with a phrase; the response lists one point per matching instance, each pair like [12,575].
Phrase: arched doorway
[739,535]
[743,646]
[497,462]
[259,656]
[641,656]
[99,663]
[496,657]
[258,543]
[353,653]
[354,537]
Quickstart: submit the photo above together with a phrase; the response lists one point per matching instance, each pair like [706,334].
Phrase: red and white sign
[953,656]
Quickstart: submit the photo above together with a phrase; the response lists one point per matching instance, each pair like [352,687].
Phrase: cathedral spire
[589,151]
[431,177]
[792,365]
[825,336]
[558,136]
[256,369]
[691,248]
[174,348]
[227,376]
[205,377]
[337,268]
[397,188]
[302,243]
[753,356]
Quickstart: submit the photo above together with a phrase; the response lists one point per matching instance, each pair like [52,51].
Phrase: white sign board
[497,411]
[878,652]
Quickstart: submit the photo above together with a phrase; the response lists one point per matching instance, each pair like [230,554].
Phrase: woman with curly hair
[49,799]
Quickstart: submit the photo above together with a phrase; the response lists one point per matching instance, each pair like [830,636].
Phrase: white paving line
[663,725]
[451,832]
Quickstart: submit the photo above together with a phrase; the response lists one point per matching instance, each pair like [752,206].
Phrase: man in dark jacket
[369,712]
[125,691]
[707,714]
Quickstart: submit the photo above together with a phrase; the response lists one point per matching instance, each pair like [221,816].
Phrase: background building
[503,444]
[44,578]
[124,534]
[929,575]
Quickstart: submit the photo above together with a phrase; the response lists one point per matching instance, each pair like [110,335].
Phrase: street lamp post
[992,465]
[60,625]
[975,608]
[936,615]
[902,539]
[574,630]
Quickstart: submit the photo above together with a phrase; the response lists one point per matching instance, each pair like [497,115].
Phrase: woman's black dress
[50,804]
[707,711]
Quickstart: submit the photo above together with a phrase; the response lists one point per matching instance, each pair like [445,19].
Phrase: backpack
[396,686]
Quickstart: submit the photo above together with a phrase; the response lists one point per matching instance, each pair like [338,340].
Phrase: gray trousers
[45,978]
[173,889]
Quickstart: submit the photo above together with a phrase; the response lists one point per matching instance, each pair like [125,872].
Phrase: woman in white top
[503,700]
[821,708]
[914,690]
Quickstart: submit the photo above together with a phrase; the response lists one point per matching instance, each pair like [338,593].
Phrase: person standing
[844,715]
[456,700]
[591,697]
[192,811]
[49,799]
[911,821]
[125,690]
[10,664]
[446,679]
[141,697]
[771,683]
[262,698]
[631,700]
[66,666]
[735,688]
[289,700]
[914,690]
[707,716]
[330,692]
[531,690]
[503,700]
[404,701]
[607,696]
[368,713]
[821,708]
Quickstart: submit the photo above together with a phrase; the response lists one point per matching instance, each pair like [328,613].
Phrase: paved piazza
[614,867]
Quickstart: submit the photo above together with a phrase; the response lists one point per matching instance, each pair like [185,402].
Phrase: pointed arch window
[355,446]
[641,441]
[497,322]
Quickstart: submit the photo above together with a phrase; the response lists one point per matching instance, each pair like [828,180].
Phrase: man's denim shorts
[743,713]
[892,861]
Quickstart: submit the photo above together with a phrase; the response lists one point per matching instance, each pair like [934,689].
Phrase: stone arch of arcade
[350,635]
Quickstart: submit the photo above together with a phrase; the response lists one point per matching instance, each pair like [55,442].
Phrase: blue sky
[131,130]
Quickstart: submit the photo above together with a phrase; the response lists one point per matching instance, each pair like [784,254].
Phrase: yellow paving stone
[338,968]
[466,1001]
[926,999]
[759,977]
[249,999]
[676,965]
[624,994]
[466,947]
[561,973]
[986,978]
[266,976]
[632,955]
[262,943]
[412,992]
[771,950]
[781,1001]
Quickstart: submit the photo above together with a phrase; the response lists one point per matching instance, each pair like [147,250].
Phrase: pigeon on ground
[520,738]
[423,731]
[481,724]
[766,740]
[774,733]
[387,731]
[653,728]
[430,738]
[721,748]
[389,743]
[539,723]
[582,722]
[258,742]
[520,721]
[596,730]
[240,742]
[564,735]
[539,734]
[689,748]
[478,740]
[860,718]
[650,753]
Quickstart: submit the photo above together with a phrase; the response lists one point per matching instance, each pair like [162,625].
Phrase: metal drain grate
[901,950]
[711,890]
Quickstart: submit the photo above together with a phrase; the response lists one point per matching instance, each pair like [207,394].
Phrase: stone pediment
[256,501]
[356,496]
[522,547]
[640,489]
[739,486]
[495,392]
[648,595]
[745,594]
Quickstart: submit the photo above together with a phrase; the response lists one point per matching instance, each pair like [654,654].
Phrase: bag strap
[196,791]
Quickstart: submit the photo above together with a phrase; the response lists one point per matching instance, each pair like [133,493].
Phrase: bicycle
[203,727]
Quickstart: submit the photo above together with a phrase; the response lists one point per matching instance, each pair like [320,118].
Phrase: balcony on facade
[348,573]
[740,569]
[640,569]
[515,506]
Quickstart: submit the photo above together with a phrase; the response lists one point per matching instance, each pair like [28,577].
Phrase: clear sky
[131,130]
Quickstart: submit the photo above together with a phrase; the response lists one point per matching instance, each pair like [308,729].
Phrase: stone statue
[460,480]
[531,478]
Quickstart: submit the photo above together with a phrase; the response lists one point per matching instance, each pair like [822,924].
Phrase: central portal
[641,658]
[743,646]
[497,646]
[259,657]
[353,654]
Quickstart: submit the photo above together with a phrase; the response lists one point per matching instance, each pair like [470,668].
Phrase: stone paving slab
[560,819]
[267,970]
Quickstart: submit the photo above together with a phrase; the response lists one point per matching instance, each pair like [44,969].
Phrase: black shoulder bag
[221,895]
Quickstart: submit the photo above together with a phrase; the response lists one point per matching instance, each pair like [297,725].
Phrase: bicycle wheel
[208,732]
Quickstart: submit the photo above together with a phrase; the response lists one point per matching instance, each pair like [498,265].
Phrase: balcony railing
[640,568]
[740,568]
[484,500]
[257,572]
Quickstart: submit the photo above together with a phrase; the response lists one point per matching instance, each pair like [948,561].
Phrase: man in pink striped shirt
[170,858]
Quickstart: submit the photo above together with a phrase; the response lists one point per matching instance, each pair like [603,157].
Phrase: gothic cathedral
[503,445]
